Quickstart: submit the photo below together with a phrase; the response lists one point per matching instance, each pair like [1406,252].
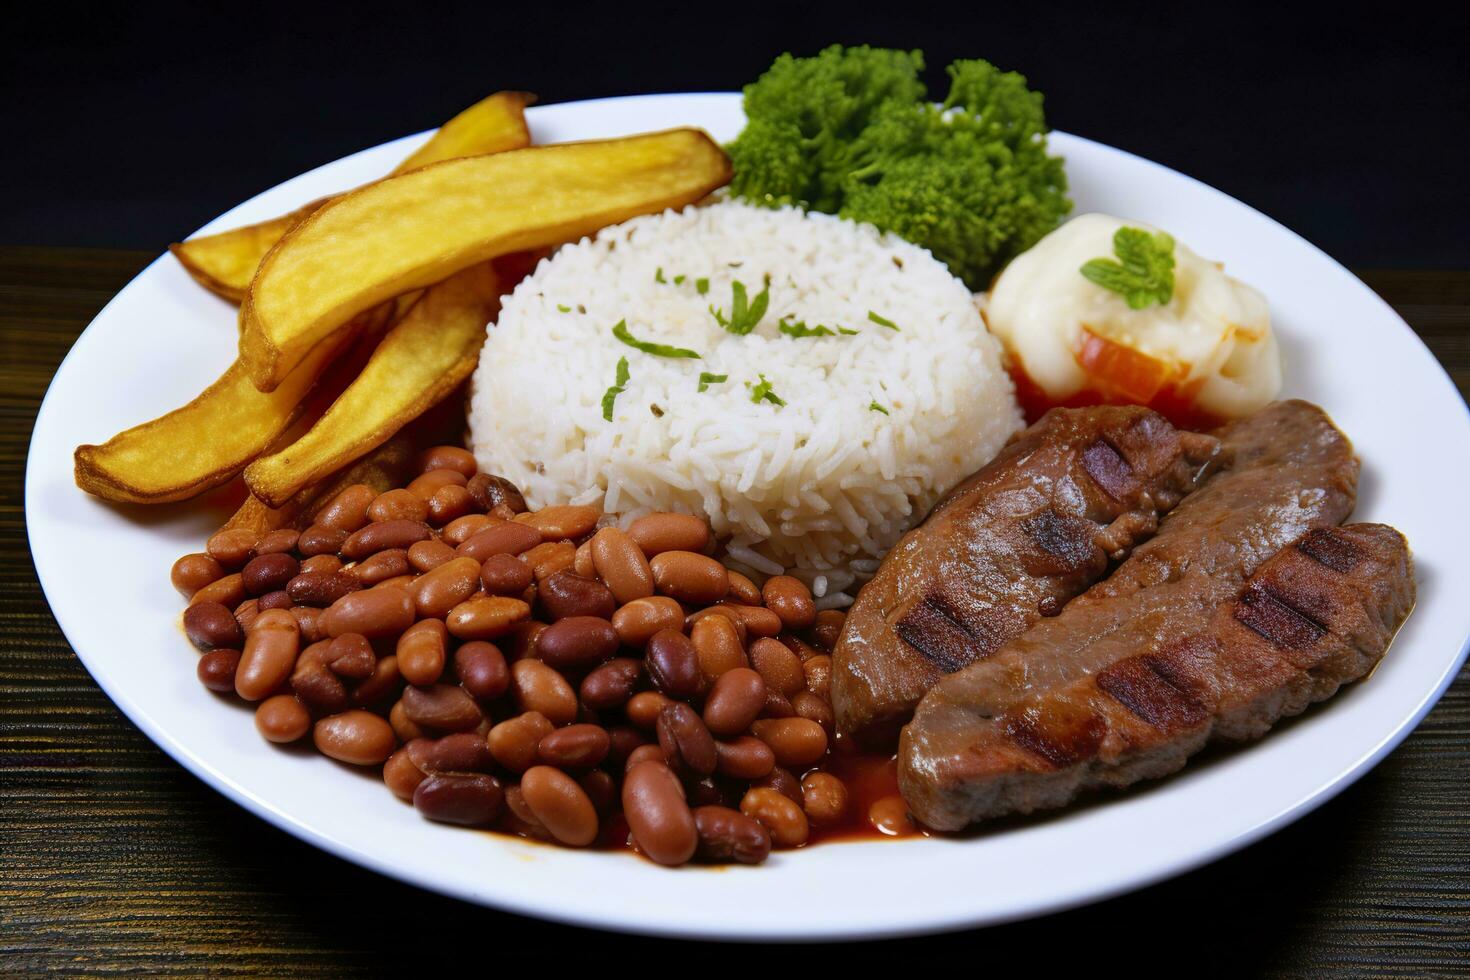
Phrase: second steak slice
[1010,545]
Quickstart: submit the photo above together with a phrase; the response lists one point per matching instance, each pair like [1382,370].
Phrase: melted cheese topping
[1214,334]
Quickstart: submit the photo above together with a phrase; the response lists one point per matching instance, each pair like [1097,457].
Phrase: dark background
[132,125]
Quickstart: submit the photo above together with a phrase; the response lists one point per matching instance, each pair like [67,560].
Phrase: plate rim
[304,830]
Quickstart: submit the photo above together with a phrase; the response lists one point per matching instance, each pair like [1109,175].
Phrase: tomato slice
[1113,367]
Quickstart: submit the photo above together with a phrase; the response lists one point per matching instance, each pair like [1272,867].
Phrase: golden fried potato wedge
[210,440]
[421,360]
[224,263]
[491,125]
[416,229]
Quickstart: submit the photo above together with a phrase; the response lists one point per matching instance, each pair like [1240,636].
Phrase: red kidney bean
[228,592]
[560,805]
[757,620]
[687,745]
[445,707]
[481,670]
[808,705]
[890,817]
[308,620]
[648,752]
[717,641]
[321,539]
[382,535]
[279,599]
[818,672]
[745,757]
[246,612]
[397,505]
[824,797]
[448,503]
[636,622]
[454,458]
[642,709]
[790,599]
[620,563]
[735,700]
[797,742]
[270,654]
[431,482]
[520,642]
[704,792]
[486,617]
[401,776]
[462,752]
[425,556]
[193,572]
[373,613]
[282,540]
[490,491]
[232,547]
[673,664]
[743,590]
[403,726]
[782,817]
[582,564]
[612,684]
[500,539]
[537,687]
[216,670]
[728,835]
[468,800]
[658,817]
[316,685]
[348,510]
[210,625]
[506,575]
[828,628]
[514,742]
[575,746]
[282,719]
[357,737]
[576,642]
[550,557]
[778,666]
[422,650]
[268,573]
[351,655]
[438,591]
[321,588]
[567,594]
[561,522]
[461,529]
[378,568]
[690,577]
[657,533]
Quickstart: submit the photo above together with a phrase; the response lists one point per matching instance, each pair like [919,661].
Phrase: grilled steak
[1196,636]
[1008,546]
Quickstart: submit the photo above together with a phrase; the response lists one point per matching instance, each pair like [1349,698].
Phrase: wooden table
[115,859]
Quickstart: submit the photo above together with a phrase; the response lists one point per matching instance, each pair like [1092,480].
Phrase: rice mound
[821,486]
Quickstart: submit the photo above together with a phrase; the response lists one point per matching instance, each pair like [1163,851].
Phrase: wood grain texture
[113,859]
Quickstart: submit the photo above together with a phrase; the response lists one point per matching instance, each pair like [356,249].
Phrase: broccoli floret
[849,132]
[803,113]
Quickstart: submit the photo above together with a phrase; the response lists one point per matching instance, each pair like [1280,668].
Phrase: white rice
[822,486]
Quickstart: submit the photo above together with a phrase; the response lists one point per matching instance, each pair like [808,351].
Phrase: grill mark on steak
[1109,470]
[1146,686]
[1289,476]
[934,628]
[1010,545]
[1272,615]
[1060,736]
[1330,549]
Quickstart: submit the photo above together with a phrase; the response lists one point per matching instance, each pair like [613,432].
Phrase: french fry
[210,440]
[420,360]
[419,228]
[224,263]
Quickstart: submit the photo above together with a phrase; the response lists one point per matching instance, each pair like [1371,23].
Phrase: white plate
[105,572]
